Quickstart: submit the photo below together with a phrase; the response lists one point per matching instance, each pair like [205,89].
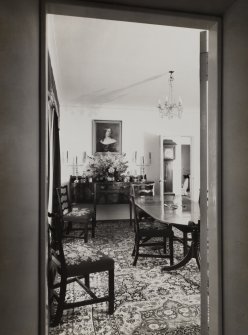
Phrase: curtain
[54,168]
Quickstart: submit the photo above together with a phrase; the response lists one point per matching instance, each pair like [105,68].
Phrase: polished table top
[179,212]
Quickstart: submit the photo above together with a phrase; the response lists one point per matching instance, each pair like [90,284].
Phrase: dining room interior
[124,170]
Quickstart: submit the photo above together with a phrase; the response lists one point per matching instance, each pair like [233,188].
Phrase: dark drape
[54,168]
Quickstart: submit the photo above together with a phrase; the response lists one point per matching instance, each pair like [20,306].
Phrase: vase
[110,178]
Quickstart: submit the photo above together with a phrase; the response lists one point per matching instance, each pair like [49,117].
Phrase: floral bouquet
[107,165]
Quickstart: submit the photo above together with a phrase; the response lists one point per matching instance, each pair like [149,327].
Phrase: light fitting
[170,109]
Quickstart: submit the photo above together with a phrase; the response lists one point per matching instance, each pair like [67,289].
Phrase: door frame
[150,16]
[173,136]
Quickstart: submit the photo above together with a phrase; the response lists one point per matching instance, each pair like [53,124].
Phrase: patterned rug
[148,301]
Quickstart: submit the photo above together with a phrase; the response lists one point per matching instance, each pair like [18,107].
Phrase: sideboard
[112,192]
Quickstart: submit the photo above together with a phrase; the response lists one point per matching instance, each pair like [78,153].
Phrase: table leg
[193,252]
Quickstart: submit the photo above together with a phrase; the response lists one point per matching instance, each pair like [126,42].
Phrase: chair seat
[154,228]
[82,259]
[78,214]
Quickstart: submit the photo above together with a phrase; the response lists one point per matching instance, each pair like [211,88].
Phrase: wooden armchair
[146,229]
[141,190]
[74,262]
[75,218]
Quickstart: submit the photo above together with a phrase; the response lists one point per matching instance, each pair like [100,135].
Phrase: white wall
[141,130]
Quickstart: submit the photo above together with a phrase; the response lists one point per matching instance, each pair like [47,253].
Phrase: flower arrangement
[107,165]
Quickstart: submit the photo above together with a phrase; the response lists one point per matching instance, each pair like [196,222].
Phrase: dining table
[180,213]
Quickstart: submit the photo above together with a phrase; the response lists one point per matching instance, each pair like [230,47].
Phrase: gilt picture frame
[107,136]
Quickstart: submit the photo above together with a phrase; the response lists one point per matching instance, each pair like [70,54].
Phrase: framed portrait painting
[107,136]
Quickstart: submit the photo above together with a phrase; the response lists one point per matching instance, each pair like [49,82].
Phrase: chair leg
[61,299]
[136,252]
[164,246]
[69,227]
[185,243]
[171,247]
[111,291]
[93,228]
[133,252]
[86,233]
[87,280]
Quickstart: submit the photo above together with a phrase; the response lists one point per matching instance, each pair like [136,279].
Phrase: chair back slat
[64,201]
[169,197]
[143,189]
[55,236]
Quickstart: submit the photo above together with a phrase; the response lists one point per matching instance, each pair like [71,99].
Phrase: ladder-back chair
[74,262]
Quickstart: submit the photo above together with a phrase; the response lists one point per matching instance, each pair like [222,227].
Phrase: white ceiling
[101,62]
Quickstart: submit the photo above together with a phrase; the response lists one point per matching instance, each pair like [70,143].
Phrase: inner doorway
[180,163]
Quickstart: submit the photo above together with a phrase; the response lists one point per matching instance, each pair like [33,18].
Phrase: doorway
[213,210]
[180,162]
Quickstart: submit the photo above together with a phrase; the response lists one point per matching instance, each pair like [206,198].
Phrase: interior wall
[235,162]
[19,172]
[141,130]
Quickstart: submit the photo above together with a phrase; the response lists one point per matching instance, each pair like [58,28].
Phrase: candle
[135,156]
[150,158]
[67,156]
[143,160]
[84,156]
[76,159]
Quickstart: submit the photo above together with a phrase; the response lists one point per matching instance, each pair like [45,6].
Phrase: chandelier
[170,109]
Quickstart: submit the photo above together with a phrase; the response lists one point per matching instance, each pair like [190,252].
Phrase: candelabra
[74,163]
[142,163]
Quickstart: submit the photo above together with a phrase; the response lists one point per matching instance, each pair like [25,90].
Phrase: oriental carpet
[147,301]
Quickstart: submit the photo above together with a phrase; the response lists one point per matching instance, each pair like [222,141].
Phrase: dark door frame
[213,123]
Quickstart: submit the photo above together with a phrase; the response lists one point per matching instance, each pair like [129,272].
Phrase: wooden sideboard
[106,192]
